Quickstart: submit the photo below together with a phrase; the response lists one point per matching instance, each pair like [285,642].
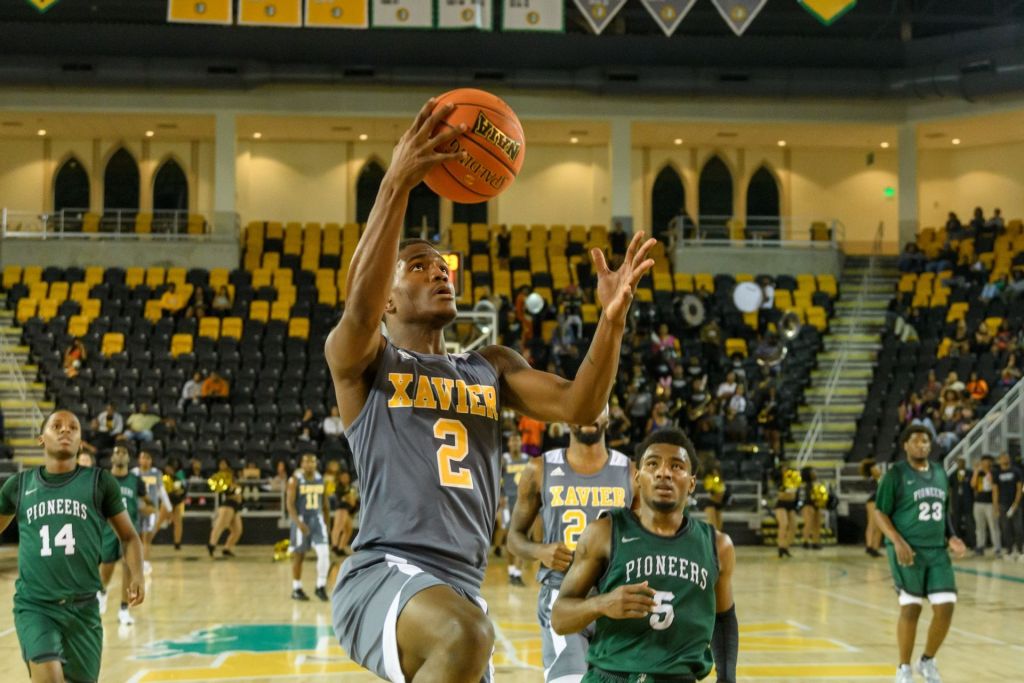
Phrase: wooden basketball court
[827,615]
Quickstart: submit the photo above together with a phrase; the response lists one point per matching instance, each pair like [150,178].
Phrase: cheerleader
[714,485]
[175,487]
[873,535]
[229,518]
[785,508]
[813,499]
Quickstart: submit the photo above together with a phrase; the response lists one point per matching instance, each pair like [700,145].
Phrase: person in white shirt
[727,388]
[332,424]
[190,392]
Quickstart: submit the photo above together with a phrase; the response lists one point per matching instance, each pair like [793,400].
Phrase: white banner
[465,14]
[533,15]
[739,13]
[669,13]
[403,13]
[599,13]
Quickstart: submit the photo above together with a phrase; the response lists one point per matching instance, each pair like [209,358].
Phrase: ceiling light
[677,141]
[149,133]
[956,141]
[782,143]
[257,136]
[364,136]
[41,132]
[884,145]
[574,140]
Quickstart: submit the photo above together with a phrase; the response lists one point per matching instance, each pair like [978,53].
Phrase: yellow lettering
[400,381]
[556,496]
[619,500]
[607,496]
[424,394]
[475,407]
[461,402]
[571,499]
[584,494]
[491,401]
[443,386]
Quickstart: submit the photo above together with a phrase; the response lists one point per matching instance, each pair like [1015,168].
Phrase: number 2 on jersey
[575,522]
[449,454]
[929,512]
[65,538]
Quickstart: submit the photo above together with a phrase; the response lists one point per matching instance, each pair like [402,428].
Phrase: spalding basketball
[493,142]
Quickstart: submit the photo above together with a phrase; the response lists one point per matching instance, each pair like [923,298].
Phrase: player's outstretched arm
[725,639]
[524,514]
[125,530]
[550,398]
[355,343]
[573,611]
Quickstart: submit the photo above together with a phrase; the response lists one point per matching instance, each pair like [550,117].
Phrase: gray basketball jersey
[153,479]
[309,496]
[427,451]
[570,501]
[511,470]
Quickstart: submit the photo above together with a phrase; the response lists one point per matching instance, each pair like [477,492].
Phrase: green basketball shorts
[69,632]
[930,576]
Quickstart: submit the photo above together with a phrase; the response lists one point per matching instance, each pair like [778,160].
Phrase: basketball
[494,144]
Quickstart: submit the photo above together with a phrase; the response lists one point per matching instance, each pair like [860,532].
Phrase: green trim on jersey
[683,569]
[917,503]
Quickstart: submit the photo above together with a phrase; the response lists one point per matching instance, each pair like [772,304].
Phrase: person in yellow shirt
[171,302]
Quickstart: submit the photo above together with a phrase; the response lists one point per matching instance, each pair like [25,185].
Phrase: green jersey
[917,503]
[133,488]
[683,570]
[60,521]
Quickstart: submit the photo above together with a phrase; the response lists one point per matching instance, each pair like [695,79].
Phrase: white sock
[511,570]
[296,584]
[323,563]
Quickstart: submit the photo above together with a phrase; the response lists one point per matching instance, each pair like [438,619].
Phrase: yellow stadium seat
[480,263]
[287,294]
[261,277]
[957,311]
[218,278]
[259,310]
[231,327]
[91,308]
[80,291]
[547,329]
[155,276]
[521,278]
[209,327]
[282,277]
[280,310]
[827,284]
[645,295]
[153,312]
[298,327]
[181,343]
[683,282]
[750,319]
[578,234]
[735,345]
[12,276]
[113,342]
[176,275]
[783,299]
[944,347]
[26,309]
[38,290]
[704,282]
[590,313]
[327,296]
[271,260]
[48,308]
[479,232]
[78,326]
[742,277]
[908,281]
[94,275]
[31,274]
[135,276]
[993,323]
[59,291]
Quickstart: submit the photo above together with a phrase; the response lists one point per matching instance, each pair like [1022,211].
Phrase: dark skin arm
[528,504]
[726,565]
[573,611]
[125,531]
[293,513]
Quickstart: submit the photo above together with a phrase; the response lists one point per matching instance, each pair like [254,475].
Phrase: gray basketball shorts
[371,592]
[299,542]
[147,523]
[565,657]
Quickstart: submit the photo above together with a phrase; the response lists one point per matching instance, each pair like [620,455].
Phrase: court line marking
[994,575]
[7,632]
[511,655]
[838,643]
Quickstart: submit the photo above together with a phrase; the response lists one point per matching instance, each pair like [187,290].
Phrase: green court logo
[222,639]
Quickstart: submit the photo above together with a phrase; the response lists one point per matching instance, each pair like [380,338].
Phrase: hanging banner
[464,14]
[42,5]
[669,13]
[533,15]
[739,13]
[827,11]
[337,14]
[277,13]
[200,11]
[403,13]
[599,13]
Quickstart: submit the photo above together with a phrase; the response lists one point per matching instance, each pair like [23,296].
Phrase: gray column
[907,184]
[225,217]
[621,168]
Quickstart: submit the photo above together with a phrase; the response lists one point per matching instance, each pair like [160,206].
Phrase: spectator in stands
[617,432]
[140,424]
[911,260]
[221,305]
[954,229]
[74,356]
[556,436]
[962,502]
[982,482]
[531,433]
[659,418]
[311,424]
[1015,287]
[977,388]
[932,385]
[768,420]
[617,239]
[504,246]
[215,389]
[1011,368]
[1006,502]
[172,303]
[951,403]
[166,429]
[727,388]
[191,392]
[910,409]
[944,260]
[280,479]
[982,341]
[734,424]
[977,222]
[991,290]
[961,342]
[197,305]
[106,428]
[903,327]
[996,223]
[332,425]
[195,471]
[639,405]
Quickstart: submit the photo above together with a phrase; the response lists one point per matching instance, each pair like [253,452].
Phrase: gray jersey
[153,479]
[570,501]
[426,448]
[511,470]
[309,496]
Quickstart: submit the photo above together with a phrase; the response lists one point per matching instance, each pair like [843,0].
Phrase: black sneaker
[517,581]
[321,593]
[210,548]
[227,553]
[497,551]
[815,546]
[299,594]
[177,546]
[873,552]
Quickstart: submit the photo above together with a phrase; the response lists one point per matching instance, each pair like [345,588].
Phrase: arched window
[763,204]
[469,213]
[668,200]
[367,184]
[121,182]
[71,186]
[170,188]
[715,196]
[424,210]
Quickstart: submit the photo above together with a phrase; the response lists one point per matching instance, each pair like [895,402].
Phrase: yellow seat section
[80,291]
[181,343]
[735,345]
[176,276]
[298,327]
[209,327]
[48,308]
[155,276]
[280,310]
[135,276]
[78,326]
[26,309]
[91,308]
[113,342]
[12,276]
[153,311]
[31,274]
[231,327]
[219,278]
[59,291]
[259,310]
[94,275]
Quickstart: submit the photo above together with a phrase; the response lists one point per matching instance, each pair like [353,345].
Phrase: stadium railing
[1003,423]
[783,231]
[112,223]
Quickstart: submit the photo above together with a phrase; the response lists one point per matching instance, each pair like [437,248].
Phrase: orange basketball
[494,144]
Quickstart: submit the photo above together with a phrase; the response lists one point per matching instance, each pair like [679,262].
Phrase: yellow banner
[337,13]
[280,13]
[42,5]
[827,11]
[200,11]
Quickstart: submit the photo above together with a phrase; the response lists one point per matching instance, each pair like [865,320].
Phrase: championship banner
[454,14]
[403,13]
[533,15]
[599,13]
[337,14]
[200,11]
[669,13]
[739,13]
[277,13]
[42,5]
[827,11]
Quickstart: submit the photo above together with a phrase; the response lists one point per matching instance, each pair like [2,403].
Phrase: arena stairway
[22,399]
[858,330]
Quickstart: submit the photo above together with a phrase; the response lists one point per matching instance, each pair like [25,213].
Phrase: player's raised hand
[136,590]
[615,288]
[629,602]
[904,553]
[417,150]
[957,547]
[555,556]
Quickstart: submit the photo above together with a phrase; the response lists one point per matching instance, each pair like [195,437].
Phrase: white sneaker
[124,617]
[101,597]
[147,568]
[904,674]
[929,670]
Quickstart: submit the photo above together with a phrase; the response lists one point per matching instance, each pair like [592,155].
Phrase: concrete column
[906,142]
[620,165]
[96,184]
[786,193]
[48,172]
[739,188]
[224,155]
[192,174]
[693,191]
[146,173]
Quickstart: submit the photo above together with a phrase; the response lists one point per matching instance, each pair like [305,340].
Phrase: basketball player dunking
[569,488]
[664,606]
[425,432]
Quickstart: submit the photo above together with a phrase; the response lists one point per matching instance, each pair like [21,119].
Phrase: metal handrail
[20,385]
[991,435]
[113,224]
[788,234]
